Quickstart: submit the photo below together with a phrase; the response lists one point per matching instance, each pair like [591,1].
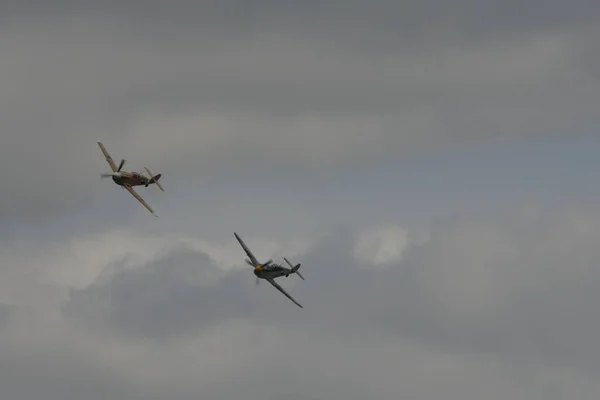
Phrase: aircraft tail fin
[154,179]
[294,269]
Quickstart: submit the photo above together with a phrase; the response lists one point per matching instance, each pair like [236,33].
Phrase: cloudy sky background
[432,164]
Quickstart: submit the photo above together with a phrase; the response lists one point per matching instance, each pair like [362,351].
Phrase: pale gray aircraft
[269,271]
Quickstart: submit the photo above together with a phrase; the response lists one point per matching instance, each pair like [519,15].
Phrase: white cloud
[381,245]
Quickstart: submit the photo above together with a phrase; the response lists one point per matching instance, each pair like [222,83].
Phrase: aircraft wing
[109,159]
[139,198]
[272,282]
[246,249]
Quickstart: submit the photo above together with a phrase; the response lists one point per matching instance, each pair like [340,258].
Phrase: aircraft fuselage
[272,271]
[131,178]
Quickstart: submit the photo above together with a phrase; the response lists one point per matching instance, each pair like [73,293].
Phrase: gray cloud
[57,373]
[7,312]
[519,286]
[276,84]
[351,20]
[523,287]
[504,304]
[170,297]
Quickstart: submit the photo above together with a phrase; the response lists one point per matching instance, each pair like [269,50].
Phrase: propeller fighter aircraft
[129,179]
[269,271]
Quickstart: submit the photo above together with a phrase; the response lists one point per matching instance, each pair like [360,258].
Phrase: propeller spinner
[259,267]
[117,173]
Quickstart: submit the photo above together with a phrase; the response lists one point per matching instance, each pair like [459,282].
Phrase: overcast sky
[432,164]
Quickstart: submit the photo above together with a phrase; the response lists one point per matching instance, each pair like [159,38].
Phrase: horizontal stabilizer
[294,269]
[154,179]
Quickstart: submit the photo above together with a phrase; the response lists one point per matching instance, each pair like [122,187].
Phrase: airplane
[269,271]
[129,179]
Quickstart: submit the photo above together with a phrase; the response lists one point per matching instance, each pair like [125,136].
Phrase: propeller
[261,266]
[257,282]
[116,173]
[258,267]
